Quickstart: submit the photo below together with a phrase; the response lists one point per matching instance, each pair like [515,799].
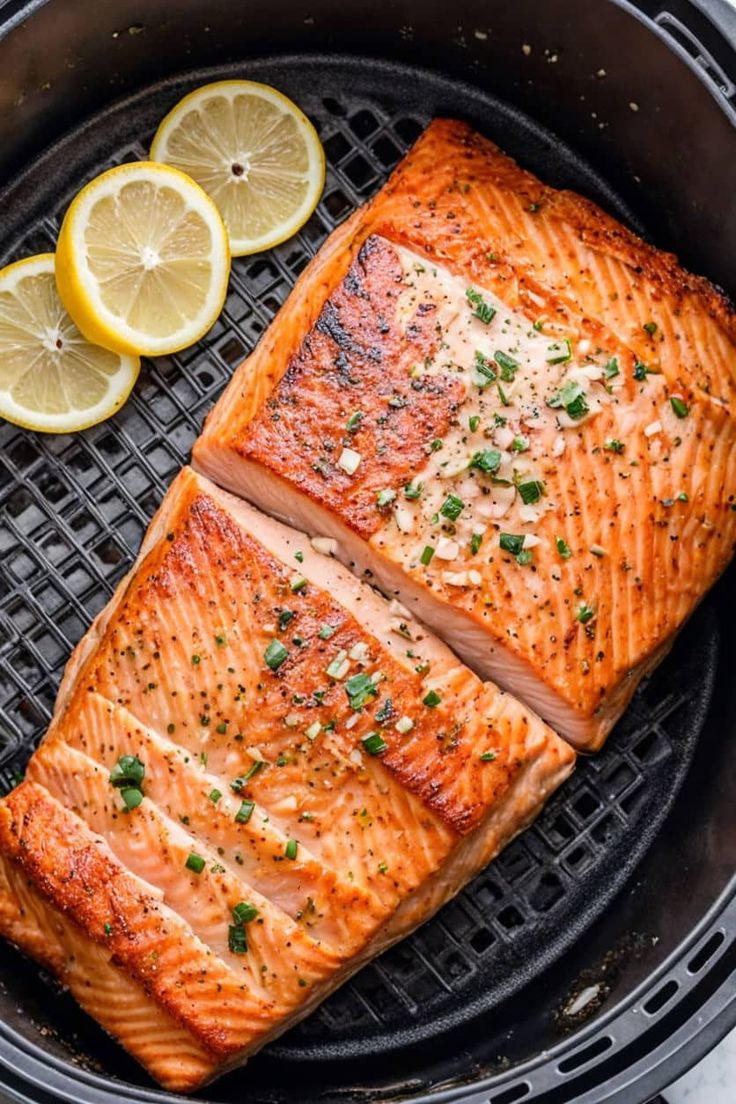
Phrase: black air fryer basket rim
[692,1032]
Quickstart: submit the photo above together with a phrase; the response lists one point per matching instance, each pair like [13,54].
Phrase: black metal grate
[73,513]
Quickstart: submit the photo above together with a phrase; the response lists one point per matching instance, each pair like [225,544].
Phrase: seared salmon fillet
[511,413]
[260,773]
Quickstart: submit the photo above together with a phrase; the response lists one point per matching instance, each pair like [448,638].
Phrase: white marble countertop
[712,1081]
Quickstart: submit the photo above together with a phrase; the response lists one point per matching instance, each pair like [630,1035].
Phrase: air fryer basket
[594,960]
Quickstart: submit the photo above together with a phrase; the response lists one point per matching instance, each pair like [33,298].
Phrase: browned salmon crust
[312,761]
[340,409]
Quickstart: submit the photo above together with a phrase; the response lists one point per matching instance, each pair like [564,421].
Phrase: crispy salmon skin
[260,774]
[510,411]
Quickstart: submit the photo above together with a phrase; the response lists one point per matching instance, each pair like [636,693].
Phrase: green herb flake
[611,369]
[292,846]
[571,397]
[511,542]
[520,444]
[353,422]
[245,812]
[107,929]
[385,497]
[585,613]
[360,689]
[326,631]
[679,406]
[614,445]
[237,939]
[432,698]
[244,913]
[473,422]
[298,583]
[436,445]
[128,772]
[221,640]
[427,554]
[640,371]
[531,491]
[374,743]
[196,660]
[481,310]
[488,757]
[525,557]
[475,542]
[563,548]
[507,364]
[195,862]
[482,365]
[487,460]
[413,490]
[275,654]
[285,617]
[132,797]
[559,352]
[215,796]
[683,497]
[650,327]
[503,396]
[452,507]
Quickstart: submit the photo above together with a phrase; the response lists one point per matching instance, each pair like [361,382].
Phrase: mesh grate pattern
[73,512]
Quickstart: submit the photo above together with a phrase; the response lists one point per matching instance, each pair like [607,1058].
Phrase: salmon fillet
[512,414]
[260,774]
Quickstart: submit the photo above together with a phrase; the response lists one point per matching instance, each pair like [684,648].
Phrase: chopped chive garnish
[220,640]
[298,582]
[215,796]
[385,497]
[507,364]
[559,352]
[238,783]
[531,491]
[483,367]
[132,797]
[683,497]
[650,327]
[520,444]
[436,445]
[291,848]
[473,422]
[237,939]
[503,396]
[413,490]
[488,757]
[108,929]
[195,862]
[285,617]
[538,325]
[680,407]
[487,460]
[128,772]
[360,689]
[640,371]
[431,699]
[571,396]
[196,660]
[563,548]
[585,613]
[525,557]
[475,543]
[452,507]
[326,631]
[511,542]
[337,667]
[614,445]
[353,422]
[374,743]
[244,912]
[245,812]
[275,654]
[484,311]
[427,554]
[611,369]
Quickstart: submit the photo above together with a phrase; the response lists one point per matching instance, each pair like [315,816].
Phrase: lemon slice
[142,261]
[51,378]
[254,152]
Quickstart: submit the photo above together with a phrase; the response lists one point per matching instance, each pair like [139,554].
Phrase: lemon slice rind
[79,288]
[120,381]
[313,177]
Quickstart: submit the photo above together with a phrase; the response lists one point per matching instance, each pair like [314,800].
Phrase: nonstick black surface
[73,513]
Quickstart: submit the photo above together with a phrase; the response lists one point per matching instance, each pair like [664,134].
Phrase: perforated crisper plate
[74,510]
